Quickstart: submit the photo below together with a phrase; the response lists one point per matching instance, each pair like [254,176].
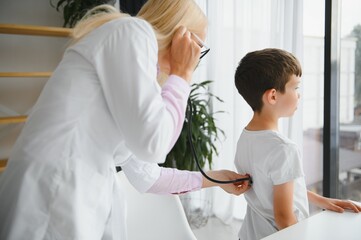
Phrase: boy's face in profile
[288,101]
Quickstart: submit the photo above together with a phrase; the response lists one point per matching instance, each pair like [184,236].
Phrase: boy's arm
[283,205]
[335,205]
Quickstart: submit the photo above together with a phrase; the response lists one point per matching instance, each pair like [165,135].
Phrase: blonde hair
[165,16]
[93,19]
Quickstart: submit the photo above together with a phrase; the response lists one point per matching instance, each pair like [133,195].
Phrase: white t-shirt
[271,159]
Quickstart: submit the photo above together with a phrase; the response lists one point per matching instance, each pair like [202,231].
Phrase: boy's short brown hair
[262,70]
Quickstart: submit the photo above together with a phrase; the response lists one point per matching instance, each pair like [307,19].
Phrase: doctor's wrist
[186,76]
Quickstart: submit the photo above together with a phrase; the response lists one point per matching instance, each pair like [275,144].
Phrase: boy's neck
[261,122]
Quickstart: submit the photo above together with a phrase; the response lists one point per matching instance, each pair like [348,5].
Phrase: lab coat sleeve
[140,174]
[150,178]
[147,118]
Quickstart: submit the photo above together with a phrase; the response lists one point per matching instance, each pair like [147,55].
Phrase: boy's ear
[270,96]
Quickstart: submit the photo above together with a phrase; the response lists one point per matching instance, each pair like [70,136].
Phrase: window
[348,127]
[313,98]
[350,101]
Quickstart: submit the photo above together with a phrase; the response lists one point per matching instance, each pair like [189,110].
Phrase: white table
[325,225]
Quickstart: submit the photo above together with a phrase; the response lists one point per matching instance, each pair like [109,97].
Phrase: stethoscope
[189,118]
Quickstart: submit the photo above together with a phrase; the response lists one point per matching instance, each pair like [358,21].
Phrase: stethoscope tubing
[189,117]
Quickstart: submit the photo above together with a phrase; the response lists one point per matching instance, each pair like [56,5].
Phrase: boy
[268,80]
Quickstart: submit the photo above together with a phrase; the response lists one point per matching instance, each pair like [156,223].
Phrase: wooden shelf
[17,119]
[35,30]
[3,163]
[26,74]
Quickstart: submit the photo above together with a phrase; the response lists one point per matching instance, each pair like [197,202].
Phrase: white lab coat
[101,108]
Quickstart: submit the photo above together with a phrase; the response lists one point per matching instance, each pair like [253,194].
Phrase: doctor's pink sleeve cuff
[174,181]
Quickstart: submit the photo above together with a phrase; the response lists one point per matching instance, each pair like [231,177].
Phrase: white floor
[216,230]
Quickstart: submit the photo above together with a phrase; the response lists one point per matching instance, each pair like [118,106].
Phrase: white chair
[154,217]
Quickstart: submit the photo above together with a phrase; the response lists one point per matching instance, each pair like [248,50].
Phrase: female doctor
[103,108]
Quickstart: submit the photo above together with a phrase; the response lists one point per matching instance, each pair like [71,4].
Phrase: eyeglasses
[204,48]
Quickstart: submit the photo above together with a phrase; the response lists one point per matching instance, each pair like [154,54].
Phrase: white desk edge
[324,225]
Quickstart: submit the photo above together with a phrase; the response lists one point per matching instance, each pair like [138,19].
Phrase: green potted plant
[204,132]
[74,10]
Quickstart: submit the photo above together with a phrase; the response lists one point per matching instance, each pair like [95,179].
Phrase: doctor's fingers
[244,186]
[239,189]
[184,48]
[184,54]
[180,32]
[235,189]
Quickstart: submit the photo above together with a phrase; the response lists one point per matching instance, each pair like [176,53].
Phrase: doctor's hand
[184,54]
[226,175]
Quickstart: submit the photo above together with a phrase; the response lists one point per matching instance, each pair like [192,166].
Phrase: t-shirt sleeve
[285,164]
[237,162]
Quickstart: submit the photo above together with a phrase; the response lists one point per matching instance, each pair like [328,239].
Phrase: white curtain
[235,28]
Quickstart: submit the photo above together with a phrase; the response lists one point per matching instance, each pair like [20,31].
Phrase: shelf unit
[34,31]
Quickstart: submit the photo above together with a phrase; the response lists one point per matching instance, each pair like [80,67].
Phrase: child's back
[270,159]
